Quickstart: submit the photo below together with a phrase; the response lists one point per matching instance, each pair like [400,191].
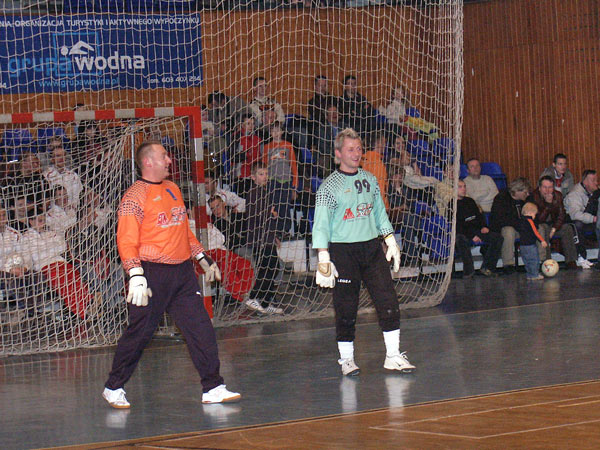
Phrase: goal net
[299,69]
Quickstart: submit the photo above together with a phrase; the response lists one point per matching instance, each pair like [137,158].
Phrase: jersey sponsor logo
[178,215]
[348,214]
[157,199]
[364,209]
[344,281]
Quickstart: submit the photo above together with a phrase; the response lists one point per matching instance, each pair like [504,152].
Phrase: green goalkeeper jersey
[349,209]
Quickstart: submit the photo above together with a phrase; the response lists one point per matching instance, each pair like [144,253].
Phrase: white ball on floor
[549,268]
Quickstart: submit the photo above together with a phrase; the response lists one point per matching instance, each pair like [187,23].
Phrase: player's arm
[385,229]
[210,268]
[324,209]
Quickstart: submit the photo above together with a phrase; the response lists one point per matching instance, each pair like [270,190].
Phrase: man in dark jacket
[471,227]
[551,218]
[506,212]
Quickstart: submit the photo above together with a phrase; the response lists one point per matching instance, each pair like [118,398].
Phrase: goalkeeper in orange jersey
[349,218]
[156,246]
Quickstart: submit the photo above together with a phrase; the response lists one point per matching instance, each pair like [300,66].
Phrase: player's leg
[375,272]
[143,321]
[186,307]
[345,302]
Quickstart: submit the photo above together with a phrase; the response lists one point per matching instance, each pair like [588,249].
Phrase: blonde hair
[347,133]
[529,209]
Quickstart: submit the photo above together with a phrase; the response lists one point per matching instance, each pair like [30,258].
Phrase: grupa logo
[85,58]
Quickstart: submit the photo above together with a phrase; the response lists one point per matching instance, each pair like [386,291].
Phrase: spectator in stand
[529,236]
[264,131]
[18,214]
[563,178]
[262,102]
[505,217]
[224,112]
[61,215]
[29,181]
[480,188]
[88,144]
[407,207]
[245,150]
[551,218]
[581,205]
[321,101]
[230,223]
[395,111]
[357,112]
[47,249]
[58,174]
[323,138]
[231,199]
[262,235]
[471,228]
[280,160]
[372,161]
[214,143]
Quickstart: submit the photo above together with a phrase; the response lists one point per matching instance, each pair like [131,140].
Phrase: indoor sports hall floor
[502,363]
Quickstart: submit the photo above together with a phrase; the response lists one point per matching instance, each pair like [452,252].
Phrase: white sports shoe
[220,394]
[116,398]
[584,263]
[273,310]
[254,305]
[398,362]
[349,368]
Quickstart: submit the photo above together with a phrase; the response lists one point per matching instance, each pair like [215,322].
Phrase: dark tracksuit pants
[175,289]
[362,261]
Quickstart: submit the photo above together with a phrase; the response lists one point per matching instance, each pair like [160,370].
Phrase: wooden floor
[564,416]
[501,363]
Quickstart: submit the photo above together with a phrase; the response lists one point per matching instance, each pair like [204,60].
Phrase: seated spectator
[581,204]
[444,192]
[264,131]
[262,102]
[551,219]
[480,188]
[88,144]
[357,112]
[232,200]
[263,232]
[103,213]
[29,181]
[229,222]
[563,178]
[61,215]
[18,214]
[471,229]
[407,206]
[280,160]
[58,174]
[320,102]
[412,173]
[395,110]
[372,161]
[47,249]
[215,144]
[99,270]
[323,138]
[224,112]
[506,213]
[245,150]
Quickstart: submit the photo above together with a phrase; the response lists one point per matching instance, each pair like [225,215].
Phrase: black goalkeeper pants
[356,262]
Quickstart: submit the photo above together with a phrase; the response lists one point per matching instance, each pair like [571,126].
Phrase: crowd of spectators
[556,213]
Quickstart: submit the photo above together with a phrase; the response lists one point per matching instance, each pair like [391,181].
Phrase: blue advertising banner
[102,51]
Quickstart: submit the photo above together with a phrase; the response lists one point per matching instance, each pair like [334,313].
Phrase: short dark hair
[586,173]
[472,159]
[257,79]
[320,77]
[215,96]
[558,156]
[349,77]
[257,166]
[545,178]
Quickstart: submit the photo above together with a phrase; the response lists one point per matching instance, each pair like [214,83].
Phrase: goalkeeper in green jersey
[349,218]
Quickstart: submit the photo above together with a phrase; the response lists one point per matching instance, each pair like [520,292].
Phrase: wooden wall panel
[531,84]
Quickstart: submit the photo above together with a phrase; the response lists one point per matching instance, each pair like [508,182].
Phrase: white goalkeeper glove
[138,288]
[393,251]
[210,268]
[326,271]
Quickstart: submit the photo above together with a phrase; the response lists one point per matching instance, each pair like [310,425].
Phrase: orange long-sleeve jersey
[153,226]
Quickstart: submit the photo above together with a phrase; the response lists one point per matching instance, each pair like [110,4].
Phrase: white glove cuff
[136,271]
[199,256]
[324,256]
[390,240]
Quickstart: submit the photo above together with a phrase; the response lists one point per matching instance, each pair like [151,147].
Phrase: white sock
[392,342]
[346,350]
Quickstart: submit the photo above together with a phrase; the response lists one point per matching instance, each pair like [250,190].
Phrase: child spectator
[245,151]
[61,215]
[262,237]
[529,235]
[280,160]
[231,199]
[18,213]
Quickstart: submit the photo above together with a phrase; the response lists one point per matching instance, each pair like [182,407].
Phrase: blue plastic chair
[463,171]
[417,146]
[491,168]
[413,112]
